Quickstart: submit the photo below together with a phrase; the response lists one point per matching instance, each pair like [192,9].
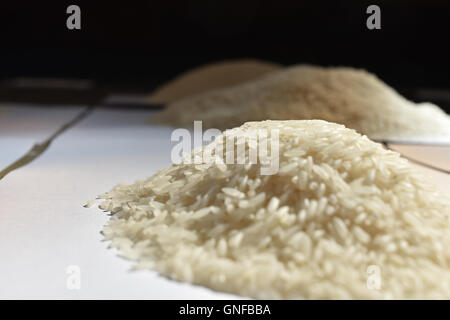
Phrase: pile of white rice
[211,76]
[340,207]
[354,98]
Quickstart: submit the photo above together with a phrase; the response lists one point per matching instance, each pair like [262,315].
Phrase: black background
[169,309]
[141,44]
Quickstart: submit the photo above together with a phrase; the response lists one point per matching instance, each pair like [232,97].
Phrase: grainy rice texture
[211,76]
[348,96]
[339,204]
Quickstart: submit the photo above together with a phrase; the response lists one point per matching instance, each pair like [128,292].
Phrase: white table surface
[44,227]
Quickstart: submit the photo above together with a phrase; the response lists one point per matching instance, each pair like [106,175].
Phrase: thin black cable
[40,148]
[387,146]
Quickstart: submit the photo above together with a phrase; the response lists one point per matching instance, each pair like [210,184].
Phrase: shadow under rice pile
[338,205]
[352,97]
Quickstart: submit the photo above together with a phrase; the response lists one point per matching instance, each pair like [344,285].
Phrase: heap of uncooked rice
[348,96]
[211,76]
[340,211]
